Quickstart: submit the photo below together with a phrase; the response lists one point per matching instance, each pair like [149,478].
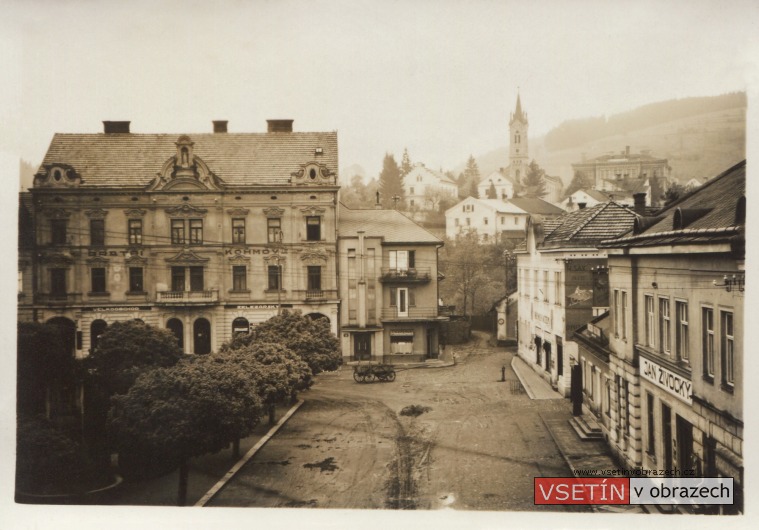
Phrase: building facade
[563,283]
[206,235]
[677,334]
[389,288]
[629,173]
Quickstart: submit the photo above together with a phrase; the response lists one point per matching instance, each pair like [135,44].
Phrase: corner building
[203,234]
[677,308]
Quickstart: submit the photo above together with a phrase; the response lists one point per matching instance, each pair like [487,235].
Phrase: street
[476,444]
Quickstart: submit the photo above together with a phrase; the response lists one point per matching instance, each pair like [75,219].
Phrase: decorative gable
[313,174]
[185,171]
[57,176]
[187,257]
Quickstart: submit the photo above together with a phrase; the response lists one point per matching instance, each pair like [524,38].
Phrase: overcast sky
[439,77]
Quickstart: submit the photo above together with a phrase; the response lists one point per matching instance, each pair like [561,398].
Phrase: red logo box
[582,490]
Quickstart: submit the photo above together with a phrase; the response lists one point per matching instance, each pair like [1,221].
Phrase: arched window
[96,329]
[240,325]
[176,327]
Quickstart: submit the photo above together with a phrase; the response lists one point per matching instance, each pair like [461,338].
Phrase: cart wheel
[369,377]
[357,377]
[391,376]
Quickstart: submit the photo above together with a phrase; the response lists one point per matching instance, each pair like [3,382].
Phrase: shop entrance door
[362,346]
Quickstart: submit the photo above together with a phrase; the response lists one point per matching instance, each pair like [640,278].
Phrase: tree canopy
[579,181]
[128,348]
[311,339]
[534,181]
[492,193]
[391,183]
[472,177]
[406,165]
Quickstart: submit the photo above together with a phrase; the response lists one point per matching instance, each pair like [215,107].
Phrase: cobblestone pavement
[477,444]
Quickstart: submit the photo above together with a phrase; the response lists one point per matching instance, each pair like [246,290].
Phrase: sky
[439,78]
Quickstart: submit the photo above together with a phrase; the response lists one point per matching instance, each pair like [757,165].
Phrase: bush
[49,462]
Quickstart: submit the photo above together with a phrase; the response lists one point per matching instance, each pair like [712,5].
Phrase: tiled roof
[421,168]
[391,225]
[590,226]
[503,173]
[706,214]
[536,206]
[237,158]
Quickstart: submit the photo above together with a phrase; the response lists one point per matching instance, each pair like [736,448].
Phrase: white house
[501,181]
[492,219]
[425,188]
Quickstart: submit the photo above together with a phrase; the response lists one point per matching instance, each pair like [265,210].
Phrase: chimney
[220,126]
[582,205]
[627,150]
[280,126]
[640,202]
[114,127]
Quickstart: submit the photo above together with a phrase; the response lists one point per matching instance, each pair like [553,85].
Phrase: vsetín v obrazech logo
[624,490]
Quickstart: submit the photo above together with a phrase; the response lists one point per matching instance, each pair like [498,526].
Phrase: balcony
[187,297]
[315,295]
[411,275]
[412,313]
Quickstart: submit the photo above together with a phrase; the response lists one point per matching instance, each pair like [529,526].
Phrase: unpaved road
[478,447]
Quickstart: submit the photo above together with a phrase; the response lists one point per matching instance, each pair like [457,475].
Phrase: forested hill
[575,133]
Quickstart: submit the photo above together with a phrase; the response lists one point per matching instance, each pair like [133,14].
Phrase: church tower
[518,154]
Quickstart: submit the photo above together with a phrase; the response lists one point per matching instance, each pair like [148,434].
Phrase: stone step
[584,431]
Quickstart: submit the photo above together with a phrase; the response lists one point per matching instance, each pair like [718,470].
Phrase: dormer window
[312,174]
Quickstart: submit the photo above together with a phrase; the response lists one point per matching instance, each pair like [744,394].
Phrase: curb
[210,494]
[526,387]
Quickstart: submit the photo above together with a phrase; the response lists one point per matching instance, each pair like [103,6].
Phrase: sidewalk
[578,454]
[205,471]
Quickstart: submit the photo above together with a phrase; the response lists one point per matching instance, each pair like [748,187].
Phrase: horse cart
[366,373]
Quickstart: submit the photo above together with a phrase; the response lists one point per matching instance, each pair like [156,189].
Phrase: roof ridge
[590,218]
[705,184]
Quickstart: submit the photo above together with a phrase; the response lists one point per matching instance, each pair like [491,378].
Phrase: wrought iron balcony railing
[392,313]
[413,274]
[187,297]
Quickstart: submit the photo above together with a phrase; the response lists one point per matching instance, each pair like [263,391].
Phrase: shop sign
[671,382]
[120,309]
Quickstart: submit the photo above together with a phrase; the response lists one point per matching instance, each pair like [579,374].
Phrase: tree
[128,348]
[472,177]
[311,339]
[406,165]
[279,373]
[391,183]
[579,181]
[534,181]
[463,262]
[492,193]
[198,406]
[673,193]
[43,363]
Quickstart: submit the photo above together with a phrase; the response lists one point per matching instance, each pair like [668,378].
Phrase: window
[650,423]
[401,342]
[485,220]
[681,333]
[58,282]
[313,228]
[707,339]
[557,287]
[135,231]
[196,278]
[97,275]
[196,231]
[402,260]
[274,227]
[411,190]
[418,178]
[664,326]
[503,220]
[238,230]
[516,220]
[135,280]
[456,221]
[412,202]
[616,313]
[314,278]
[650,321]
[58,231]
[177,279]
[274,277]
[239,278]
[177,231]
[97,232]
[468,222]
[728,345]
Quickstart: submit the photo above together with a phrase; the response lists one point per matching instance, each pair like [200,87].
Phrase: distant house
[503,183]
[587,198]
[554,187]
[495,220]
[425,188]
[628,172]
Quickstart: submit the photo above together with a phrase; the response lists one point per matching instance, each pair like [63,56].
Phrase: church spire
[518,114]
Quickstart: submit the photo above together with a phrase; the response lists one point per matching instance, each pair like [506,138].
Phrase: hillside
[698,145]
